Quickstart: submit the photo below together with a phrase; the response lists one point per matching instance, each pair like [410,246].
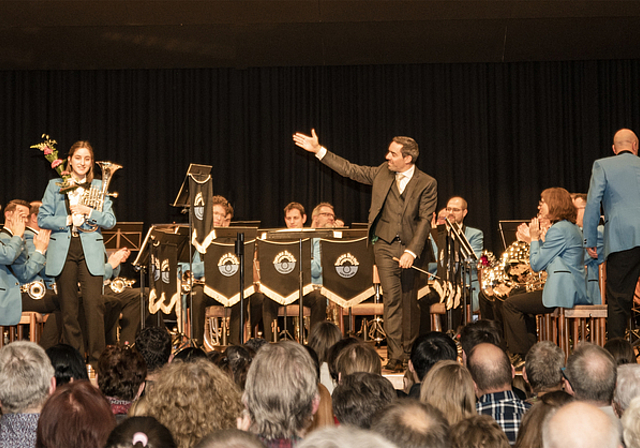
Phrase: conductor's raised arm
[308,143]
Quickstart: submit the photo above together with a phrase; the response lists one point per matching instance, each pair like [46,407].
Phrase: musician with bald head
[615,184]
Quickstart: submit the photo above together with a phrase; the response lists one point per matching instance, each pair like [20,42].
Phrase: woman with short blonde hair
[449,387]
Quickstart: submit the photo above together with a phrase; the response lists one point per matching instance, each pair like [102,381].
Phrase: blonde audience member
[449,387]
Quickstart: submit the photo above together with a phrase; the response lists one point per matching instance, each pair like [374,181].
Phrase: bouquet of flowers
[48,147]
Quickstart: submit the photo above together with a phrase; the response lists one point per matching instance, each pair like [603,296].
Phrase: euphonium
[93,197]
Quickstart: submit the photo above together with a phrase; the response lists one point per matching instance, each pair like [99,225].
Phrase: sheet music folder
[200,173]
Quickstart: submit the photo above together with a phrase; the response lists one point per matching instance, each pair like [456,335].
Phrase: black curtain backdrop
[496,134]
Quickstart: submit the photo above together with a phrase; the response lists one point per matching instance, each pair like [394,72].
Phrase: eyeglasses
[331,215]
[453,210]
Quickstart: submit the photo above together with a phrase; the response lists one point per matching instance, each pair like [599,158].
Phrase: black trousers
[315,301]
[126,303]
[48,304]
[401,313]
[75,270]
[623,270]
[518,312]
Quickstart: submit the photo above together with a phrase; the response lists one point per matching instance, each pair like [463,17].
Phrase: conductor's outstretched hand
[308,143]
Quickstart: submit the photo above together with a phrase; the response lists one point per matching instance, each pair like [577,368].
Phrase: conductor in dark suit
[402,202]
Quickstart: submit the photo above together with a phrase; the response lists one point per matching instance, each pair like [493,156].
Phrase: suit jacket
[562,256]
[53,215]
[10,297]
[29,263]
[615,182]
[421,196]
[593,272]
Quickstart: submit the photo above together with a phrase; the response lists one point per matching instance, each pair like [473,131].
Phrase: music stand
[199,173]
[124,234]
[299,235]
[467,256]
[508,229]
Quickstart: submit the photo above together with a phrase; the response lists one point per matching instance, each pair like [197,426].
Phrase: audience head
[68,364]
[323,335]
[186,393]
[478,431]
[121,372]
[281,391]
[543,367]
[230,438]
[631,424]
[77,415]
[26,378]
[411,424]
[621,350]
[530,432]
[430,348]
[140,432]
[490,369]
[154,344]
[482,331]
[190,354]
[345,437]
[236,359]
[449,387]
[627,387]
[314,358]
[255,344]
[360,357]
[360,396]
[591,374]
[334,351]
[580,424]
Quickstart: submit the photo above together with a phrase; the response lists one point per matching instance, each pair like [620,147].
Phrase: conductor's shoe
[394,365]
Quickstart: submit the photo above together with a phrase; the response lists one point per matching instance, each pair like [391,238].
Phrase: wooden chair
[33,320]
[551,327]
[585,323]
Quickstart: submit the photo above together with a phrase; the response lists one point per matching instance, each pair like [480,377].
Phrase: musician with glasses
[561,256]
[76,250]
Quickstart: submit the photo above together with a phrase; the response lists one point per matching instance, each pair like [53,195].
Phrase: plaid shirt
[506,409]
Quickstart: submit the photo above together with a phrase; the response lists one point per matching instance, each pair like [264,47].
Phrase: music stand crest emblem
[228,264]
[346,265]
[198,206]
[284,262]
[166,271]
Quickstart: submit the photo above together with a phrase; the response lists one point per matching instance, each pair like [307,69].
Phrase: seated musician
[222,214]
[456,211]
[28,267]
[561,255]
[323,216]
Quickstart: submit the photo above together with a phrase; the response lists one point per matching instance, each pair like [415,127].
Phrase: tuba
[93,197]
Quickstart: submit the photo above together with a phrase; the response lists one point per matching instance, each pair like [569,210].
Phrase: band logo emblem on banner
[228,264]
[284,262]
[347,265]
[155,268]
[198,206]
[166,271]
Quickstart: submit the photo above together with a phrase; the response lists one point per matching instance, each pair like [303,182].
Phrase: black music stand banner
[200,193]
[280,269]
[164,288]
[347,271]
[222,272]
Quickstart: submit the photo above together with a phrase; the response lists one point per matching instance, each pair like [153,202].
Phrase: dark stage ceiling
[134,34]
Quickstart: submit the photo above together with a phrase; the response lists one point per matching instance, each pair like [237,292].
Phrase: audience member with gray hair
[409,423]
[345,437]
[543,368]
[281,393]
[230,438]
[360,396]
[631,424]
[627,387]
[580,424]
[26,380]
[591,376]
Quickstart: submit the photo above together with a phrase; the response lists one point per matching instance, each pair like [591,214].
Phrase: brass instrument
[94,198]
[511,271]
[119,284]
[35,289]
[186,282]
